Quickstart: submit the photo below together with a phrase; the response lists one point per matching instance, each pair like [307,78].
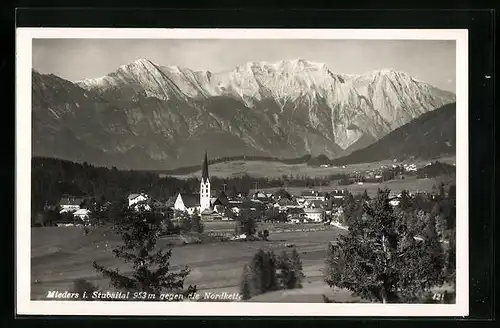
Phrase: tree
[450,265]
[365,196]
[404,201]
[196,224]
[296,265]
[270,213]
[282,193]
[334,265]
[185,222]
[348,208]
[245,283]
[139,232]
[434,249]
[285,273]
[51,216]
[290,274]
[167,226]
[268,272]
[246,223]
[380,259]
[259,276]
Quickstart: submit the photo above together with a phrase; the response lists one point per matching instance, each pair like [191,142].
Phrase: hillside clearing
[277,169]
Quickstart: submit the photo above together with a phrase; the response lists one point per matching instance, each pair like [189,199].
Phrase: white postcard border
[24,305]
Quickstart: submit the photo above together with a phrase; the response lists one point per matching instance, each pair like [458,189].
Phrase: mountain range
[432,134]
[147,116]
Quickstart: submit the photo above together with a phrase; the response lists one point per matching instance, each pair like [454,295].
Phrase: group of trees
[266,272]
[247,224]
[186,222]
[394,253]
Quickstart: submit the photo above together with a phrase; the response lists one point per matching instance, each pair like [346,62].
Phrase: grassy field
[61,255]
[277,169]
[411,184]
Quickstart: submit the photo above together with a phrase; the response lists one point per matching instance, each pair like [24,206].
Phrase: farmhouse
[70,203]
[315,214]
[296,213]
[136,198]
[82,214]
[394,201]
[285,204]
[314,203]
[313,195]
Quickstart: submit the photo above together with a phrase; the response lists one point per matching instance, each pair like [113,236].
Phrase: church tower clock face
[204,186]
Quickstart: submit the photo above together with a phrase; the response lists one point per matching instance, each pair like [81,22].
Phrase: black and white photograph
[282,172]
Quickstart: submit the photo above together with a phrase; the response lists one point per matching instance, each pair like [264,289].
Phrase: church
[203,202]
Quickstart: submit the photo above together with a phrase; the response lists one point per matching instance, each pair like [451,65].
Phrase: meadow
[61,255]
[278,169]
[411,184]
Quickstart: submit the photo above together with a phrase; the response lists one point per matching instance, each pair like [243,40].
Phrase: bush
[263,234]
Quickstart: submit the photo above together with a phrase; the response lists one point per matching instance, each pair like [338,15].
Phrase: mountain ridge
[285,109]
[430,135]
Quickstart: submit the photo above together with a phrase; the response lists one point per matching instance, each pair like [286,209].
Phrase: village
[305,206]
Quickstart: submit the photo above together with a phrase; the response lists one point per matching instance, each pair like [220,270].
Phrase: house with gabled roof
[314,203]
[82,214]
[187,202]
[136,198]
[70,203]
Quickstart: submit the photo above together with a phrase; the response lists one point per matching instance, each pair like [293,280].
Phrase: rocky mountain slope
[430,135]
[148,116]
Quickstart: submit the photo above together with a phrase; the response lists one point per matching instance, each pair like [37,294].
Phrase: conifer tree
[348,208]
[451,259]
[296,265]
[245,283]
[381,259]
[365,196]
[139,231]
[405,201]
[285,275]
[196,223]
[334,266]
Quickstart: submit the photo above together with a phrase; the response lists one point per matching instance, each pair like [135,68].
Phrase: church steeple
[204,186]
[204,169]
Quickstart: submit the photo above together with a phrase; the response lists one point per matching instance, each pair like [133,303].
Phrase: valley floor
[57,262]
[60,255]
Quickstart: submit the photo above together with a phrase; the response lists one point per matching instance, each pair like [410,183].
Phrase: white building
[313,195]
[70,204]
[187,203]
[82,214]
[315,214]
[135,199]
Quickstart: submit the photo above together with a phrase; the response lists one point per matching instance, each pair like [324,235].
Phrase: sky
[432,61]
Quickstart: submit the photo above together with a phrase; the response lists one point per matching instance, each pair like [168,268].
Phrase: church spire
[204,172]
